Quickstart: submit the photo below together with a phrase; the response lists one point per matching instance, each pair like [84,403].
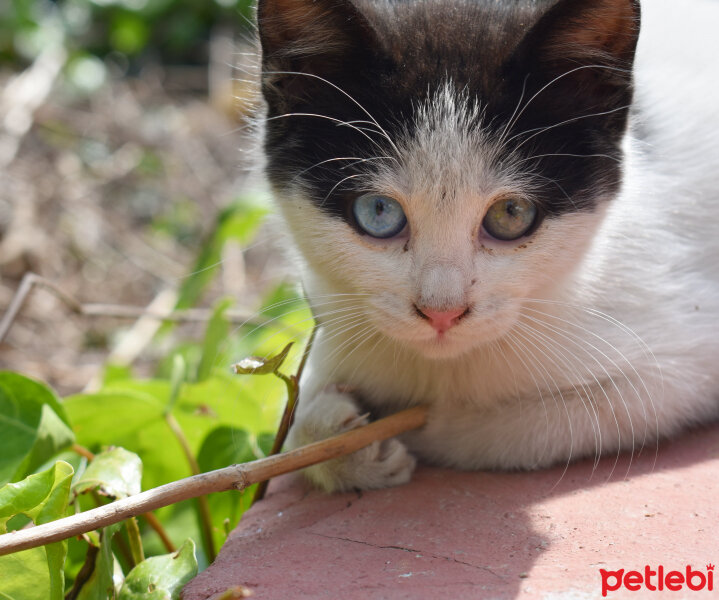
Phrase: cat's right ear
[316,38]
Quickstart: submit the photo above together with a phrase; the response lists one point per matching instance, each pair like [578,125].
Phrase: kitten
[503,211]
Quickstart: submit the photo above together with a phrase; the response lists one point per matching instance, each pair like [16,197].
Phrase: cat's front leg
[333,410]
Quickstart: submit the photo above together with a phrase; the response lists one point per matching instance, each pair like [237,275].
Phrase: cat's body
[593,331]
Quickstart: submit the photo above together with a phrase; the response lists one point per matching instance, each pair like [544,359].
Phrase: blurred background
[127,164]
[129,189]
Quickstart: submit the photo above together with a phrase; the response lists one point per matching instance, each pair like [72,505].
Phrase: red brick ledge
[481,535]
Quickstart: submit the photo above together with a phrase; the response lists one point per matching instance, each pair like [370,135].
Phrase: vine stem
[160,531]
[133,536]
[203,505]
[293,391]
[236,477]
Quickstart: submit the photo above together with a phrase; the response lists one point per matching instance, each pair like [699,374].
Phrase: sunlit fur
[597,333]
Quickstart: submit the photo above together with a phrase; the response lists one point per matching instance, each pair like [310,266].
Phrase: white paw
[379,465]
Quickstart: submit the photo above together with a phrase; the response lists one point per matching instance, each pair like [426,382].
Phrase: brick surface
[454,534]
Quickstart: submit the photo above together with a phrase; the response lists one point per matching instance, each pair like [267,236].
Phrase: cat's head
[444,160]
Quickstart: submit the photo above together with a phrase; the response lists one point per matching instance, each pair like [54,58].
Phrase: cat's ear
[316,37]
[588,30]
[586,46]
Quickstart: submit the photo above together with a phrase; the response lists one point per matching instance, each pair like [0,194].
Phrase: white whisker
[583,344]
[518,339]
[544,88]
[548,343]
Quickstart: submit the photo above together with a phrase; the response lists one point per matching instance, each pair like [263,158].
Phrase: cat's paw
[379,465]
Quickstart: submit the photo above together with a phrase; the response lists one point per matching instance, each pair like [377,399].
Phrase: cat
[502,210]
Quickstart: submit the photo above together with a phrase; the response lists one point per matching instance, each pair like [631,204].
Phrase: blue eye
[379,216]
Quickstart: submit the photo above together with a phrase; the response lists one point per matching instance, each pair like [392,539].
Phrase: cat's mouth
[444,333]
[444,345]
[451,333]
[431,342]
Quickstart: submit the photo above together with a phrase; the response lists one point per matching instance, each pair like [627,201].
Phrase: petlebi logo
[658,579]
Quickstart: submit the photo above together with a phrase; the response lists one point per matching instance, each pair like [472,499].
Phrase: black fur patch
[392,55]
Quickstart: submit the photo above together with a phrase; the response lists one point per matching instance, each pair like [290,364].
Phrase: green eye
[510,218]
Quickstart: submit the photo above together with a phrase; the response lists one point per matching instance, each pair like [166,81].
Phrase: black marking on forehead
[467,41]
[393,56]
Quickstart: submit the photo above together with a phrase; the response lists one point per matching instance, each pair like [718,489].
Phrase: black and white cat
[507,210]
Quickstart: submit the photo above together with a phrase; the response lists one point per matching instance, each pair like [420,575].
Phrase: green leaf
[115,373]
[265,441]
[116,473]
[43,497]
[286,303]
[290,323]
[19,424]
[255,365]
[239,222]
[284,299]
[128,33]
[33,426]
[177,378]
[161,577]
[215,337]
[106,417]
[225,446]
[131,415]
[189,352]
[25,576]
[180,522]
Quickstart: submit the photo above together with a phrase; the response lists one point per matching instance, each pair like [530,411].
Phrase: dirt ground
[110,197]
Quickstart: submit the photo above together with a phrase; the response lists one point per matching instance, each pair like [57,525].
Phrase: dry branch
[32,280]
[235,477]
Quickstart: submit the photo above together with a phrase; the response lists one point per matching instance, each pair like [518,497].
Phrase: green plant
[60,456]
[93,444]
[174,30]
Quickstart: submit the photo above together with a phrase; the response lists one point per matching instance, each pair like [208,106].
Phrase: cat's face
[445,161]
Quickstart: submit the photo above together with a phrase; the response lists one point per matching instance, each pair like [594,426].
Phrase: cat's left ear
[586,46]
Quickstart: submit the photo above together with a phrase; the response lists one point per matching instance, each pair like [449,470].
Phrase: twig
[26,285]
[123,547]
[235,477]
[160,531]
[293,390]
[30,280]
[85,572]
[82,451]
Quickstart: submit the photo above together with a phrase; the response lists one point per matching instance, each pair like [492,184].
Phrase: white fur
[597,334]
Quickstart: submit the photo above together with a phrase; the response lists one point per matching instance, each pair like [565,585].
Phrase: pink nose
[442,320]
